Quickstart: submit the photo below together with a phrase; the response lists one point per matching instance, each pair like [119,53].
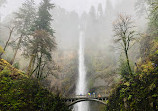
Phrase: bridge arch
[81,100]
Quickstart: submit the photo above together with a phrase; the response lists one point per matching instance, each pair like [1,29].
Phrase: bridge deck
[86,98]
[72,101]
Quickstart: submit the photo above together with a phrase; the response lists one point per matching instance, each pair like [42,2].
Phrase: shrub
[140,92]
[24,94]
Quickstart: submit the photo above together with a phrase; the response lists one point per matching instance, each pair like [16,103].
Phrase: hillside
[20,93]
[140,92]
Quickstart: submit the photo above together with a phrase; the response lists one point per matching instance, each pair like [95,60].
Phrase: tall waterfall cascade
[81,88]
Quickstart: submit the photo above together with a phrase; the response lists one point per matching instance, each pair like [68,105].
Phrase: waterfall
[81,88]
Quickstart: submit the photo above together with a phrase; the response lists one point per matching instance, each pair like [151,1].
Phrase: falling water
[81,88]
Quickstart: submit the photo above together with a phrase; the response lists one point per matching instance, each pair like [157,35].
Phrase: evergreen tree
[43,21]
[151,9]
[43,41]
[153,17]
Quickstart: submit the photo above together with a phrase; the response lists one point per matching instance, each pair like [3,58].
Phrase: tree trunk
[38,74]
[10,34]
[29,70]
[129,68]
[16,50]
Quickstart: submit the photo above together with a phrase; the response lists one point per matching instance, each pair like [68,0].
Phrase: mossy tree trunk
[127,59]
[30,67]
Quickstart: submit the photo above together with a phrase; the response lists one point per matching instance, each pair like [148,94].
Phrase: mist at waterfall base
[81,88]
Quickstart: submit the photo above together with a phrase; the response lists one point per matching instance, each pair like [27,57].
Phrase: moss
[140,92]
[15,73]
[1,50]
[20,93]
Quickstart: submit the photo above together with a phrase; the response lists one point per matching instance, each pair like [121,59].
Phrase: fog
[70,5]
[95,18]
[102,55]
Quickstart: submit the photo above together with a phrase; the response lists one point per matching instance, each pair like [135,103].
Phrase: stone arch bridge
[72,101]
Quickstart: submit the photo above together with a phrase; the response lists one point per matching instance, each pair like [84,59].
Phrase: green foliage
[138,93]
[124,70]
[43,42]
[1,50]
[41,46]
[153,17]
[145,45]
[24,94]
[43,21]
[25,18]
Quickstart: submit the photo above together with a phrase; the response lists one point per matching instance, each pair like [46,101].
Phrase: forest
[49,54]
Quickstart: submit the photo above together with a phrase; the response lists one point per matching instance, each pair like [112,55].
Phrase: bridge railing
[88,96]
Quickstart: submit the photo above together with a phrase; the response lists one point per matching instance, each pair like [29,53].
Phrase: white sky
[70,5]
